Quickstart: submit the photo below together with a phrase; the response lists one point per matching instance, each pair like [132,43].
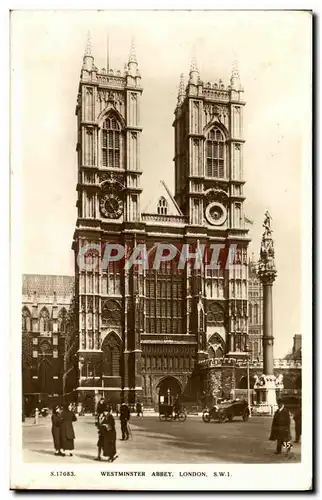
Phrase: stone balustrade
[278,363]
[172,219]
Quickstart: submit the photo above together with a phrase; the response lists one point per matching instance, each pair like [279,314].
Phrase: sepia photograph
[161,322]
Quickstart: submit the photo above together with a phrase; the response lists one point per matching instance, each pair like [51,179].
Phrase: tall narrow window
[111,141]
[256,315]
[26,320]
[162,207]
[215,154]
[44,324]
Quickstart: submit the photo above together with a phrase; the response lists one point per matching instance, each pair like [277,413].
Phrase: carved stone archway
[168,388]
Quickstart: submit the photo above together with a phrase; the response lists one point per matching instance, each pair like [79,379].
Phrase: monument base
[266,387]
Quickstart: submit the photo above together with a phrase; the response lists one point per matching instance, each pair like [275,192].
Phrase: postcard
[161,215]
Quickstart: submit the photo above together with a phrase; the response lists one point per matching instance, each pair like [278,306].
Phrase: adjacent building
[255,313]
[46,304]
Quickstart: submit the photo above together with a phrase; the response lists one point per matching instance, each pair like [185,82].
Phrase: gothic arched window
[44,320]
[111,355]
[62,320]
[26,320]
[162,207]
[215,154]
[111,143]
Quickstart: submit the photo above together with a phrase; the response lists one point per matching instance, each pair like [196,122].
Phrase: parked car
[227,410]
[43,412]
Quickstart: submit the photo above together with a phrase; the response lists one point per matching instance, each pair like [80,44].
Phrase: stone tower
[209,184]
[108,209]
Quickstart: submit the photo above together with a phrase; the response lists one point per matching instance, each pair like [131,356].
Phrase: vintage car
[227,410]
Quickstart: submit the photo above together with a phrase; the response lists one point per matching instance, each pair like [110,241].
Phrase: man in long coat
[280,431]
[124,418]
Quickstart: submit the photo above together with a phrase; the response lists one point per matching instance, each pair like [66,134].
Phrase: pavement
[153,441]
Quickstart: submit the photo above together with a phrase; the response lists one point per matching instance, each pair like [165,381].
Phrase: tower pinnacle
[194,72]
[235,78]
[132,56]
[88,48]
[88,59]
[133,63]
[181,91]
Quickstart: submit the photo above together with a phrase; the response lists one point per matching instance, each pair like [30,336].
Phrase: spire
[193,64]
[181,91]
[132,56]
[133,63]
[88,59]
[194,72]
[88,48]
[235,79]
[108,54]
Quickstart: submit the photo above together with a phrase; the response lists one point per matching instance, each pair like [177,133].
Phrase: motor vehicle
[166,413]
[43,412]
[227,410]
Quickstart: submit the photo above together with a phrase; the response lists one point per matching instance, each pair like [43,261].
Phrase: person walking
[124,418]
[67,429]
[56,421]
[101,406]
[297,417]
[139,410]
[280,431]
[106,436]
[176,407]
[118,409]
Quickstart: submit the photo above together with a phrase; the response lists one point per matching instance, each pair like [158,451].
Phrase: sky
[274,58]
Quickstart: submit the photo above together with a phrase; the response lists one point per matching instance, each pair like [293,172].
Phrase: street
[153,441]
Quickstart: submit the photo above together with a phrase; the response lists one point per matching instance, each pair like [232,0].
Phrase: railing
[278,363]
[111,80]
[222,95]
[174,219]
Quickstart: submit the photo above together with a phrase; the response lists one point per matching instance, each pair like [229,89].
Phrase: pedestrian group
[64,435]
[62,429]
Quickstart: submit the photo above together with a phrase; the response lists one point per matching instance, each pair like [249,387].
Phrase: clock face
[111,206]
[216,214]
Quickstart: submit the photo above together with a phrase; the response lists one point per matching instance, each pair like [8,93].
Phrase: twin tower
[140,333]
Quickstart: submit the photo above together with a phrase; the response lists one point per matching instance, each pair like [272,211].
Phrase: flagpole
[108,54]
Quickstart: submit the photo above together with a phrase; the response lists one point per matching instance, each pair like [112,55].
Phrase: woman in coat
[67,429]
[56,421]
[106,436]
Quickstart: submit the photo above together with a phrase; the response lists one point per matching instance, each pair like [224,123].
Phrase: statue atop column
[266,384]
[267,269]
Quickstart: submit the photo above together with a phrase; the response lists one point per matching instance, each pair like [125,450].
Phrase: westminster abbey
[140,333]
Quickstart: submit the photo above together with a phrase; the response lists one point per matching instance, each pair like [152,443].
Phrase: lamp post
[248,385]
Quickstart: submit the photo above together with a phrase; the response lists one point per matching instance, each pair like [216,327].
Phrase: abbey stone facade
[140,333]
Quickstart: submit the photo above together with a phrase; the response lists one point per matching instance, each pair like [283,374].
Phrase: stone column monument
[267,383]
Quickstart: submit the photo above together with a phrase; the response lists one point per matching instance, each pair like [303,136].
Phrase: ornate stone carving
[111,180]
[215,314]
[111,313]
[108,96]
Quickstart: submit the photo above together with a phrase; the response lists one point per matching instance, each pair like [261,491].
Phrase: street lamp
[248,385]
